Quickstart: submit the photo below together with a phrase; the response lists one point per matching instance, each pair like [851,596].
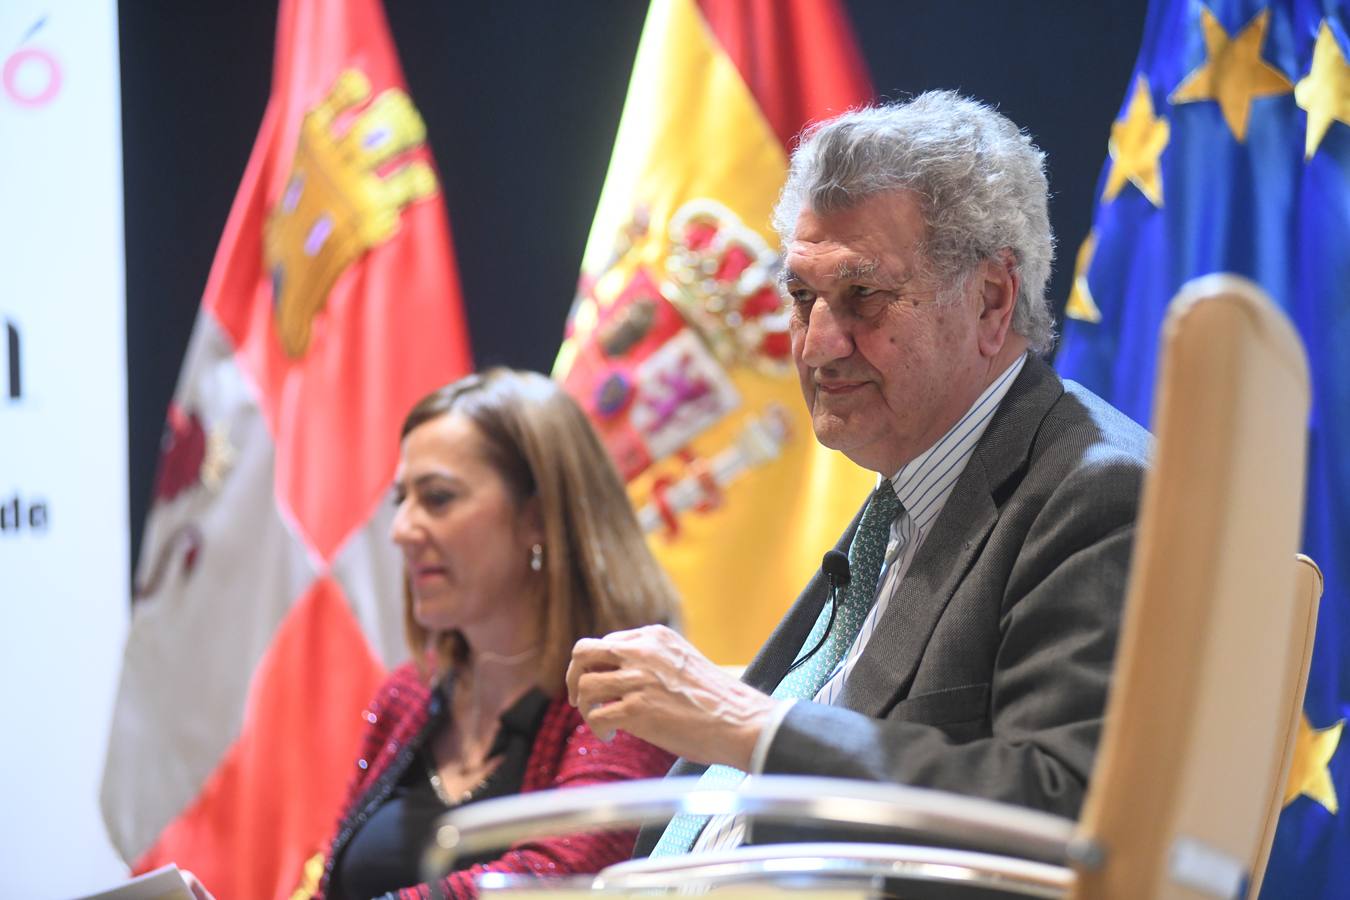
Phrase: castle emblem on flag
[656,342]
[348,184]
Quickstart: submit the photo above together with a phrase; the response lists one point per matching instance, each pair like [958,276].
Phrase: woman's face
[465,540]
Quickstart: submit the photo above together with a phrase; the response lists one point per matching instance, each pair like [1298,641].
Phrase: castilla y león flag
[677,343]
[267,597]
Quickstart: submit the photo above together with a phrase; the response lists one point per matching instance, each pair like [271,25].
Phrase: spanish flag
[677,343]
[266,608]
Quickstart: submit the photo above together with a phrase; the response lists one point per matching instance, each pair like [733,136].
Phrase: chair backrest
[1212,659]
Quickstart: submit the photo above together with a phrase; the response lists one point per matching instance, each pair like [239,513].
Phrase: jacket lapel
[885,670]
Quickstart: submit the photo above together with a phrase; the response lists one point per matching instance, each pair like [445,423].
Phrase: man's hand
[653,684]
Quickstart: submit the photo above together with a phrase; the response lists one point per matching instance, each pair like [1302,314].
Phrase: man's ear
[998,282]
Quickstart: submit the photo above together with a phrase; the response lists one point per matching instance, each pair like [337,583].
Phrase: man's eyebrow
[848,271]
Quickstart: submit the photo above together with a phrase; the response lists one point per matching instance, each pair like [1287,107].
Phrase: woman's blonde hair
[598,574]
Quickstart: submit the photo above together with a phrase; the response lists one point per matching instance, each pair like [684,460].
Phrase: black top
[384,854]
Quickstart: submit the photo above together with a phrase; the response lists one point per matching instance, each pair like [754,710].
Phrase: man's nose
[827,338]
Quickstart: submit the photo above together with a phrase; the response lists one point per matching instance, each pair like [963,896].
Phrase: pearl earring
[537,558]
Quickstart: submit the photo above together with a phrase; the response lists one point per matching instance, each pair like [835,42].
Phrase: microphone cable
[836,568]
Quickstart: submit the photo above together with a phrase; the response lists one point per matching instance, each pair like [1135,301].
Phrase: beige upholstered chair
[1194,752]
[1206,695]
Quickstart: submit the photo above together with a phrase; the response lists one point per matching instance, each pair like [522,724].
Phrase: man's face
[885,367]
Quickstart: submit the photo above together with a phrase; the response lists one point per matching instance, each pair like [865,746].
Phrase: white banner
[63,469]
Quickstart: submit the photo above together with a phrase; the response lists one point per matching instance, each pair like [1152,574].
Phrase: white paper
[164,883]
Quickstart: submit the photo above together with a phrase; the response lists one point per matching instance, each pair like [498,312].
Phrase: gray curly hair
[979,180]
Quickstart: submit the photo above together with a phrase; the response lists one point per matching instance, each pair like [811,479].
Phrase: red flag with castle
[267,604]
[677,344]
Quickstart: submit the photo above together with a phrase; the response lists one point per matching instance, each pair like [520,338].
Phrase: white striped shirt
[923,485]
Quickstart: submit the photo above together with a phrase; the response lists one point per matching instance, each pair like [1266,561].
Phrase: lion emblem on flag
[192,456]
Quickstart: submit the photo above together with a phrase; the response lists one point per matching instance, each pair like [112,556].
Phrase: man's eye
[397,496]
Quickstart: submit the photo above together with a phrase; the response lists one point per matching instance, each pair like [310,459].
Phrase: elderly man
[972,648]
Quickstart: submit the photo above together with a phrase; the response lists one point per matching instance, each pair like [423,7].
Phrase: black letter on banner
[15,374]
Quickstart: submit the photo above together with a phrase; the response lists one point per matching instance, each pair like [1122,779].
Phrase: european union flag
[1231,153]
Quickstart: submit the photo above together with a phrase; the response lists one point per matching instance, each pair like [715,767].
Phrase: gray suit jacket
[989,671]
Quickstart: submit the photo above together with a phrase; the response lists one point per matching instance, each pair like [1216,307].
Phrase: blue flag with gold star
[1231,153]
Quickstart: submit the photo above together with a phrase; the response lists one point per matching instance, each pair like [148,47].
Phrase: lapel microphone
[835,567]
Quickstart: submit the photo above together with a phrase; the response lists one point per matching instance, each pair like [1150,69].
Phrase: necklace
[475,700]
[438,786]
[509,659]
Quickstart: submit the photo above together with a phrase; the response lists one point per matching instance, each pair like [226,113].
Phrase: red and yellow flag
[267,603]
[677,343]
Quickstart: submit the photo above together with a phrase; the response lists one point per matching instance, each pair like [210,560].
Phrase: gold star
[1136,145]
[1081,306]
[1325,91]
[1234,74]
[1309,775]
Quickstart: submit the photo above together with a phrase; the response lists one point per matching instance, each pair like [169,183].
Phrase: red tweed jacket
[565,754]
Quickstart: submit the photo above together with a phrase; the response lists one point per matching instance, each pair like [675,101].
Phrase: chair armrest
[948,872]
[900,812]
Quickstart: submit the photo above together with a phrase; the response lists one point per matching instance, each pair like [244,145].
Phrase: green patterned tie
[865,556]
